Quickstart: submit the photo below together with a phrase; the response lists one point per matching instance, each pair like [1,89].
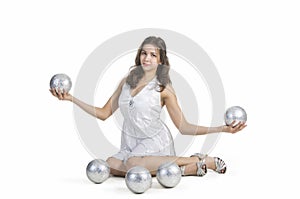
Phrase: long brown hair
[162,72]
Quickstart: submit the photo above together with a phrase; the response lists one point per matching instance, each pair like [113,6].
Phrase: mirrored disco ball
[168,174]
[61,82]
[138,179]
[97,171]
[236,113]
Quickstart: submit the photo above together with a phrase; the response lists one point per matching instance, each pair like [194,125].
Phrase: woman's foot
[203,162]
[216,164]
[194,169]
[201,165]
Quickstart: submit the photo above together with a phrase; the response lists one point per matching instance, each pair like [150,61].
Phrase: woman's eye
[153,55]
[143,53]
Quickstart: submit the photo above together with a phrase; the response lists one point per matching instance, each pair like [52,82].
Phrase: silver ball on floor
[235,113]
[138,179]
[97,171]
[168,174]
[61,82]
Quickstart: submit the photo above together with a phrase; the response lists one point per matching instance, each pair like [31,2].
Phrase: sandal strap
[201,156]
[201,171]
[182,170]
[220,165]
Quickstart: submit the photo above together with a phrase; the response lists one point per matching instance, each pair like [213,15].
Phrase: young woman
[146,141]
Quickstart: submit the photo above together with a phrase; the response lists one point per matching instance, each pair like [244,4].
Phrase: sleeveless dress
[143,132]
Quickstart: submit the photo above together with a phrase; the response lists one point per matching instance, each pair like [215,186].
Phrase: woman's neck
[148,76]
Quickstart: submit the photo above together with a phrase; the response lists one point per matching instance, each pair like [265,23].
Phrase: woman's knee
[113,162]
[117,167]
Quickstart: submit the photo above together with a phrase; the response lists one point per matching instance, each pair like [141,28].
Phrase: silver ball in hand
[235,113]
[61,82]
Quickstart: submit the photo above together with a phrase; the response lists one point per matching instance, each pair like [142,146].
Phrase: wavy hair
[162,72]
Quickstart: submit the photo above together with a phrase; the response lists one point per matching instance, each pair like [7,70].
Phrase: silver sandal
[220,165]
[202,169]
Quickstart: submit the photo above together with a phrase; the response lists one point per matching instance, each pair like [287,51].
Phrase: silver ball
[61,82]
[138,179]
[168,174]
[236,113]
[97,171]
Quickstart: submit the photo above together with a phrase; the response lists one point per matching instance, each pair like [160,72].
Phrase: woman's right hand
[61,95]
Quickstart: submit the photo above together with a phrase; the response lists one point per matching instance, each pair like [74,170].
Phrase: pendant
[131,102]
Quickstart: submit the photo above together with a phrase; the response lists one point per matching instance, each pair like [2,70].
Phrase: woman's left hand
[234,128]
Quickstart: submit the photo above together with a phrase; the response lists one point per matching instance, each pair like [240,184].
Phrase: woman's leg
[117,167]
[153,162]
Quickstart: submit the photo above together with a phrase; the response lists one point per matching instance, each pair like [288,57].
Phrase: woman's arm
[170,100]
[101,113]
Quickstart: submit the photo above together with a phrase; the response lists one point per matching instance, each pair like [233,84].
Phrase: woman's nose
[148,57]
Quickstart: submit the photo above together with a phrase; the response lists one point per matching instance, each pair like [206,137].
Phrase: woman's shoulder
[168,91]
[122,83]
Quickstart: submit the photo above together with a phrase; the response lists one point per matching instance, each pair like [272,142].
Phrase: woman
[146,141]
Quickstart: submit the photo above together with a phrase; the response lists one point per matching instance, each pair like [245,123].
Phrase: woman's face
[149,57]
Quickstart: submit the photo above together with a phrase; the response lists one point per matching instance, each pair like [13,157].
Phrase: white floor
[58,170]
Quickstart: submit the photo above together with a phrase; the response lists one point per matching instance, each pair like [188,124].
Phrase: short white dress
[143,132]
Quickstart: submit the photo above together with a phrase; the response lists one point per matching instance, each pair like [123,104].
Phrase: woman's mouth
[146,64]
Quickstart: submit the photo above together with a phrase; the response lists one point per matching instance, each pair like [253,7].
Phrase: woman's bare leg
[117,167]
[153,162]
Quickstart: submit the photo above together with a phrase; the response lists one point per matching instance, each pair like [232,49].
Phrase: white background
[254,45]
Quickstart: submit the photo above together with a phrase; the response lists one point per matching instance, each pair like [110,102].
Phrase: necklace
[144,83]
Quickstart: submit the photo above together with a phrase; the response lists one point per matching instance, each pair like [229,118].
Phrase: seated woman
[146,141]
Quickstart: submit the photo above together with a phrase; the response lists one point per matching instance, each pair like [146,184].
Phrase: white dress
[143,133]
